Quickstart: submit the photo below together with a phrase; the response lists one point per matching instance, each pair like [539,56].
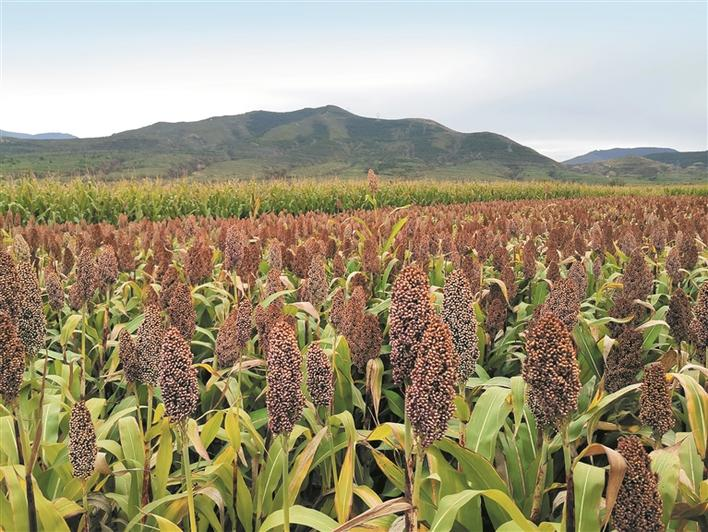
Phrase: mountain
[311,142]
[665,167]
[683,159]
[38,136]
[615,153]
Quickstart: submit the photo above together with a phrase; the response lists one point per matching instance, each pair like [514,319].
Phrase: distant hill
[38,136]
[674,166]
[682,159]
[615,153]
[312,142]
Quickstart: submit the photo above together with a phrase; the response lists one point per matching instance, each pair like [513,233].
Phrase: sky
[561,77]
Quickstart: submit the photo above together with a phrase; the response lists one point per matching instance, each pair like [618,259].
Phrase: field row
[95,201]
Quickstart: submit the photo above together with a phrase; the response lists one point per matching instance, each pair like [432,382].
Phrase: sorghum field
[533,364]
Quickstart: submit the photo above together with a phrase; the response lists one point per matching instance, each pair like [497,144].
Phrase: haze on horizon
[563,79]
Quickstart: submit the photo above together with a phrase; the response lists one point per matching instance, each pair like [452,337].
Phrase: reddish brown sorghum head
[563,302]
[31,324]
[638,506]
[54,289]
[637,279]
[679,316]
[624,360]
[197,263]
[551,371]
[459,316]
[284,398]
[86,279]
[128,356]
[12,359]
[699,324]
[373,181]
[429,398]
[320,378]
[167,285]
[365,339]
[148,346]
[234,247]
[496,310]
[181,311]
[106,266]
[178,378]
[9,285]
[409,316]
[82,441]
[655,400]
[317,287]
[529,259]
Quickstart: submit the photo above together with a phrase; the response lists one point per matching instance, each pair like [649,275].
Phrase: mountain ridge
[51,135]
[596,156]
[318,140]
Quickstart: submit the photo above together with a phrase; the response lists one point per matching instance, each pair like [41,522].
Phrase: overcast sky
[562,78]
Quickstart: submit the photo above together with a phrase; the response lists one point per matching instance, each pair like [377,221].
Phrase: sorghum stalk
[418,480]
[411,515]
[188,475]
[24,455]
[332,454]
[540,480]
[286,498]
[83,350]
[84,499]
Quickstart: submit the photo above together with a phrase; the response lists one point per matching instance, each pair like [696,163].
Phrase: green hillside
[683,159]
[663,167]
[317,142]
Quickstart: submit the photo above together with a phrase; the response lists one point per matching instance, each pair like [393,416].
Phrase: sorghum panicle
[409,316]
[429,398]
[181,311]
[12,359]
[54,289]
[86,279]
[679,316]
[178,378]
[624,360]
[31,323]
[106,266]
[459,316]
[284,398]
[638,506]
[320,378]
[699,324]
[128,356]
[655,400]
[9,285]
[149,344]
[551,371]
[82,441]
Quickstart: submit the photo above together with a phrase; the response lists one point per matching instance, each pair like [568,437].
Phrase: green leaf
[163,461]
[666,464]
[165,525]
[343,495]
[451,504]
[697,409]
[392,472]
[588,483]
[68,329]
[301,466]
[131,442]
[301,516]
[488,415]
[589,356]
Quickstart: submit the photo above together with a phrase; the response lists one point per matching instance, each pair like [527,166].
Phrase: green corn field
[349,356]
